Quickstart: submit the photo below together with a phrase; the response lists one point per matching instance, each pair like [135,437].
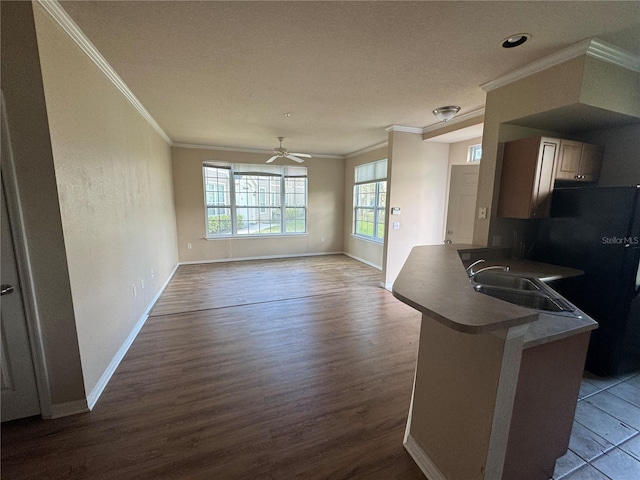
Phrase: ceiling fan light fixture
[281,152]
[515,40]
[444,114]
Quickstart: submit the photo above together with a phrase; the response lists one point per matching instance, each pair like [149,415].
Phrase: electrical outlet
[482,212]
[497,241]
[396,225]
[188,246]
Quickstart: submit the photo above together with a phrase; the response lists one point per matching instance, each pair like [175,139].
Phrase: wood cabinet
[578,162]
[528,173]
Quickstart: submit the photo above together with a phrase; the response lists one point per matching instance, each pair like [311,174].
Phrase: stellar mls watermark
[620,240]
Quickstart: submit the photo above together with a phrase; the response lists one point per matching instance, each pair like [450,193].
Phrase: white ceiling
[225,73]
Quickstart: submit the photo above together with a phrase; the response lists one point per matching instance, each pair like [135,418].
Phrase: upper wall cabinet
[579,162]
[527,177]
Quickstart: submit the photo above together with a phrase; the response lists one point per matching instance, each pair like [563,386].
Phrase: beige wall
[546,90]
[113,173]
[610,87]
[417,183]
[325,210]
[459,151]
[365,250]
[34,172]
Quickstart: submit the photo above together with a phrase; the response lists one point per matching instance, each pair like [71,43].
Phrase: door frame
[23,263]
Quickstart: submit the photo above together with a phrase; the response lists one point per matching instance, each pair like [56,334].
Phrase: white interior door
[463,190]
[19,394]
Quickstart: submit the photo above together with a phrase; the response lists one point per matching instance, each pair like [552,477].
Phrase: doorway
[18,392]
[463,190]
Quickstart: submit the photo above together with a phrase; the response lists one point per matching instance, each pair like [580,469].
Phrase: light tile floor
[605,440]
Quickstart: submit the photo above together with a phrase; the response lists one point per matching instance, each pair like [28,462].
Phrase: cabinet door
[590,163]
[541,204]
[517,183]
[569,160]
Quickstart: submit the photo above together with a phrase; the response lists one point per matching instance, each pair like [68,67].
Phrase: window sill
[245,237]
[367,239]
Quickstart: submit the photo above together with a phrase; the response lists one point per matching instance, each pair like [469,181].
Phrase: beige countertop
[433,280]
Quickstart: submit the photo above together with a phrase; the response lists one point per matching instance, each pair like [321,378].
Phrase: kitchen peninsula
[496,384]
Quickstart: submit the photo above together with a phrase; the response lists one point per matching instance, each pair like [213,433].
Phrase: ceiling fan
[282,152]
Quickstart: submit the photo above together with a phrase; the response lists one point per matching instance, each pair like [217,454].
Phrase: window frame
[273,200]
[379,211]
[471,154]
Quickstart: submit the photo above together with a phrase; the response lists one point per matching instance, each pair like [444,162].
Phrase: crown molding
[612,54]
[55,10]
[402,128]
[592,47]
[367,150]
[457,119]
[245,150]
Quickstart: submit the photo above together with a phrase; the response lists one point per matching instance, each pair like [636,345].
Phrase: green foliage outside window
[222,223]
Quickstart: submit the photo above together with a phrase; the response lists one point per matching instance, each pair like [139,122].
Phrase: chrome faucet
[470,271]
[492,267]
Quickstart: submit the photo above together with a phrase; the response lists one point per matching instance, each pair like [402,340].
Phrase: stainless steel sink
[522,290]
[506,280]
[536,301]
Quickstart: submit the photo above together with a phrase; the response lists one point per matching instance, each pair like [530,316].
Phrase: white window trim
[376,208]
[246,169]
[470,152]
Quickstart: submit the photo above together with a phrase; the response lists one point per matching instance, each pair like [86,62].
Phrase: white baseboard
[65,409]
[366,262]
[93,397]
[422,460]
[264,257]
[387,286]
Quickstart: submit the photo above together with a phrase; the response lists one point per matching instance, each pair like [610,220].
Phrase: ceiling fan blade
[272,158]
[295,159]
[305,155]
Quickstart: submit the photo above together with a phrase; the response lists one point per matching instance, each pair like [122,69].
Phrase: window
[243,200]
[369,200]
[475,153]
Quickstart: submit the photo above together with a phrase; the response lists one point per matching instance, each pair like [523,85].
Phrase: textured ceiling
[224,73]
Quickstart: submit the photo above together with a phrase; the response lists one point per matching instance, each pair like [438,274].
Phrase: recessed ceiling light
[515,40]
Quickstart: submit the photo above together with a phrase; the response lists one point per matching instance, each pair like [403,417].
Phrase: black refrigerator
[597,229]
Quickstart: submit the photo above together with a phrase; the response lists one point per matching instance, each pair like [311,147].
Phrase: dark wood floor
[279,369]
